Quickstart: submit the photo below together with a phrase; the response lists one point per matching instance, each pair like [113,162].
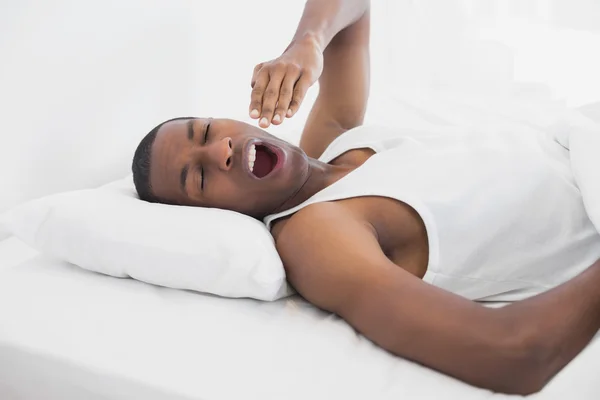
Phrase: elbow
[532,379]
[529,382]
[529,365]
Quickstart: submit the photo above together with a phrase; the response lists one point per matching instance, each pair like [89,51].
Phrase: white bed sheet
[66,333]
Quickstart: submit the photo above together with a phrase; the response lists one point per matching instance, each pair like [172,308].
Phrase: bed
[66,333]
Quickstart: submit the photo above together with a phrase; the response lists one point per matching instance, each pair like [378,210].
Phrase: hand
[279,85]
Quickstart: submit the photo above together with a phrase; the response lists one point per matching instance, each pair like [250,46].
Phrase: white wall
[484,45]
[82,81]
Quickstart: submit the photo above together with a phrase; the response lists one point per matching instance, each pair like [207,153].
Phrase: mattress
[67,333]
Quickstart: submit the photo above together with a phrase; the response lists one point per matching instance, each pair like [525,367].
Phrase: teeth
[251,157]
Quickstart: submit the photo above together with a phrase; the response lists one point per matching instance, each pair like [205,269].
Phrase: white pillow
[109,230]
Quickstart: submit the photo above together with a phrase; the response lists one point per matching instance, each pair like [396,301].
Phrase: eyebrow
[190,129]
[184,171]
[183,178]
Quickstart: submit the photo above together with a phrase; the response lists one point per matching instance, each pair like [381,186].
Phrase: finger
[285,95]
[262,80]
[255,74]
[270,97]
[298,95]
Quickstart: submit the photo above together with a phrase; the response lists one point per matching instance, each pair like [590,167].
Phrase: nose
[224,153]
[217,154]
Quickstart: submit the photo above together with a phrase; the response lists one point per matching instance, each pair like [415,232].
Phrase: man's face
[208,163]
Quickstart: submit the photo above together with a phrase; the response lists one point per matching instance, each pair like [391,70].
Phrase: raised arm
[331,44]
[515,349]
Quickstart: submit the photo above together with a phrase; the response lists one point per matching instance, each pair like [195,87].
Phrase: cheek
[222,190]
[243,197]
[229,193]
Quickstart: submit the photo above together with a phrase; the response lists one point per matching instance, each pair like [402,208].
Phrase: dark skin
[367,254]
[217,150]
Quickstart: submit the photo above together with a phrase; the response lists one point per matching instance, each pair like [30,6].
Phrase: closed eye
[202,168]
[206,133]
[201,178]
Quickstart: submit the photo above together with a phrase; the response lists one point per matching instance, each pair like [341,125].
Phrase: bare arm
[331,44]
[508,350]
[323,20]
[343,88]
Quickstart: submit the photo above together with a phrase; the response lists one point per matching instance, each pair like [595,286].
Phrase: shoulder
[328,253]
[320,219]
[315,217]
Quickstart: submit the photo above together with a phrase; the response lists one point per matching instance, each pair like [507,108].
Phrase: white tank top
[504,217]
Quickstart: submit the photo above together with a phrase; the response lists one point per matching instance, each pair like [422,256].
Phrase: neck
[319,176]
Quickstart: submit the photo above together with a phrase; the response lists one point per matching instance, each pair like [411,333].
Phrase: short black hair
[141,164]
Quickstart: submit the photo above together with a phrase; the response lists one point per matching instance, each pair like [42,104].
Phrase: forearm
[515,349]
[527,343]
[322,20]
[558,324]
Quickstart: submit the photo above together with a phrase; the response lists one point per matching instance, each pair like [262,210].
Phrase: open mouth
[264,162]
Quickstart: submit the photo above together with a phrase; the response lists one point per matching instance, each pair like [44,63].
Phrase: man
[398,235]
